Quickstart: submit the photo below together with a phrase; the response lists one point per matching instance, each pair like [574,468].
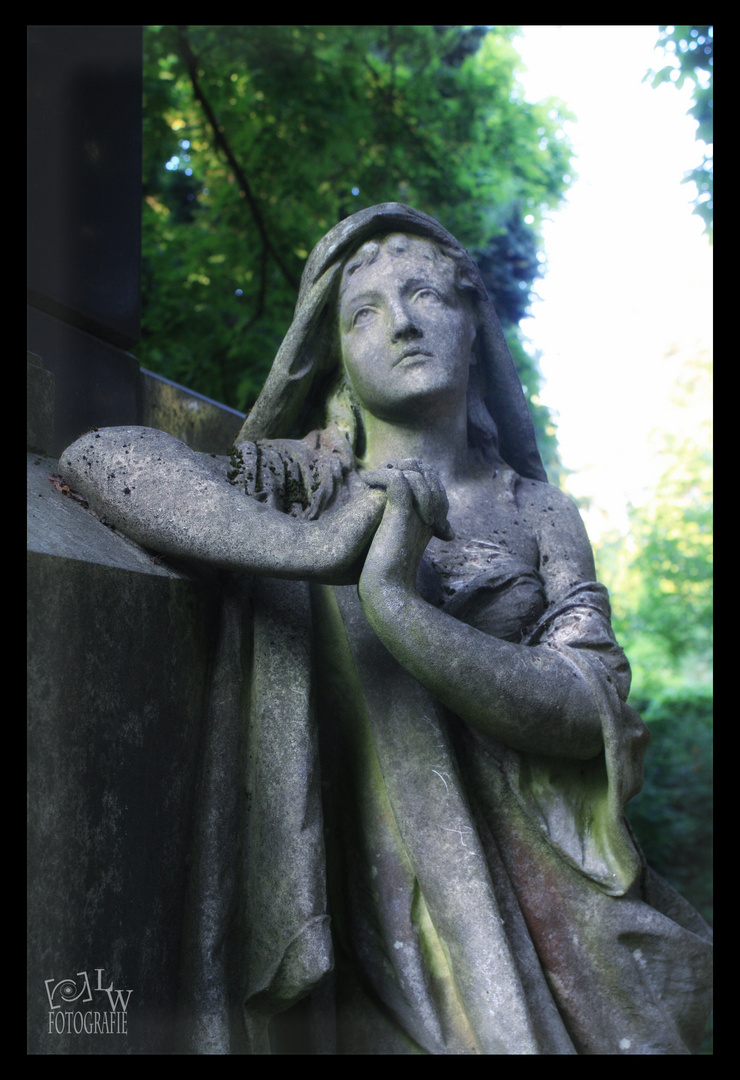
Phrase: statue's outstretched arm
[179,502]
[528,697]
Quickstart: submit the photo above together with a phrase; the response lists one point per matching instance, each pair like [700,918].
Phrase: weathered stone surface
[39,406]
[454,690]
[95,383]
[120,653]
[202,424]
[57,525]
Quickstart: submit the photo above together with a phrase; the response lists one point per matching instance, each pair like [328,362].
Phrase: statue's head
[379,254]
[406,328]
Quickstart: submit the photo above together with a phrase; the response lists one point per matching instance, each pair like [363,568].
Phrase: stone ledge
[201,423]
[59,525]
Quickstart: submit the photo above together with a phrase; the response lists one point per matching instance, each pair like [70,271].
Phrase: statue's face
[405,331]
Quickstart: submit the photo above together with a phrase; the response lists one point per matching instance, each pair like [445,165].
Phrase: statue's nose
[403,324]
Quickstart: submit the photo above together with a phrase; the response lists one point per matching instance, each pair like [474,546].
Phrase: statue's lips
[409,354]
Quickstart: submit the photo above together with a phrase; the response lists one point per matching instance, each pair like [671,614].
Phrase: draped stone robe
[372,875]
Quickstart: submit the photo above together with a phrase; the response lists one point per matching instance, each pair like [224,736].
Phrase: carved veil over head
[306,368]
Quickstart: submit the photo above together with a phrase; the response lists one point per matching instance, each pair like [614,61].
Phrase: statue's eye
[362,315]
[427,294]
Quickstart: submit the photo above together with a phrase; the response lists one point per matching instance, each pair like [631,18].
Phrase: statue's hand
[410,484]
[415,510]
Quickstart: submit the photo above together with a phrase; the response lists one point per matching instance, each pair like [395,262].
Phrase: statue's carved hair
[399,244]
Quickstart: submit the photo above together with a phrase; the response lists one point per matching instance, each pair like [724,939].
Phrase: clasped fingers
[410,482]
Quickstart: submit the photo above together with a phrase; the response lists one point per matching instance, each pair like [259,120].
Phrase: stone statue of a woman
[412,834]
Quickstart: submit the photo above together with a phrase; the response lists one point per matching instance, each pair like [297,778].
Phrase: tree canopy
[257,139]
[691,53]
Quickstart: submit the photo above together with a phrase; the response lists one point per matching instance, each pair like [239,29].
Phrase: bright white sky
[628,270]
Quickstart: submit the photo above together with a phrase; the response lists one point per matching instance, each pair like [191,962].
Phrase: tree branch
[262,290]
[191,64]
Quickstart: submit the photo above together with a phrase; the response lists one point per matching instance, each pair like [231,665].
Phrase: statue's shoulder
[565,553]
[546,504]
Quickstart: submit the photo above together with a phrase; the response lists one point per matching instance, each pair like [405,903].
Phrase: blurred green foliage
[661,573]
[672,815]
[257,139]
[661,580]
[691,50]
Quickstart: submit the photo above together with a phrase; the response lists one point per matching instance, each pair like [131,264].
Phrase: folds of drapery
[257,938]
[511,909]
[580,805]
[628,961]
